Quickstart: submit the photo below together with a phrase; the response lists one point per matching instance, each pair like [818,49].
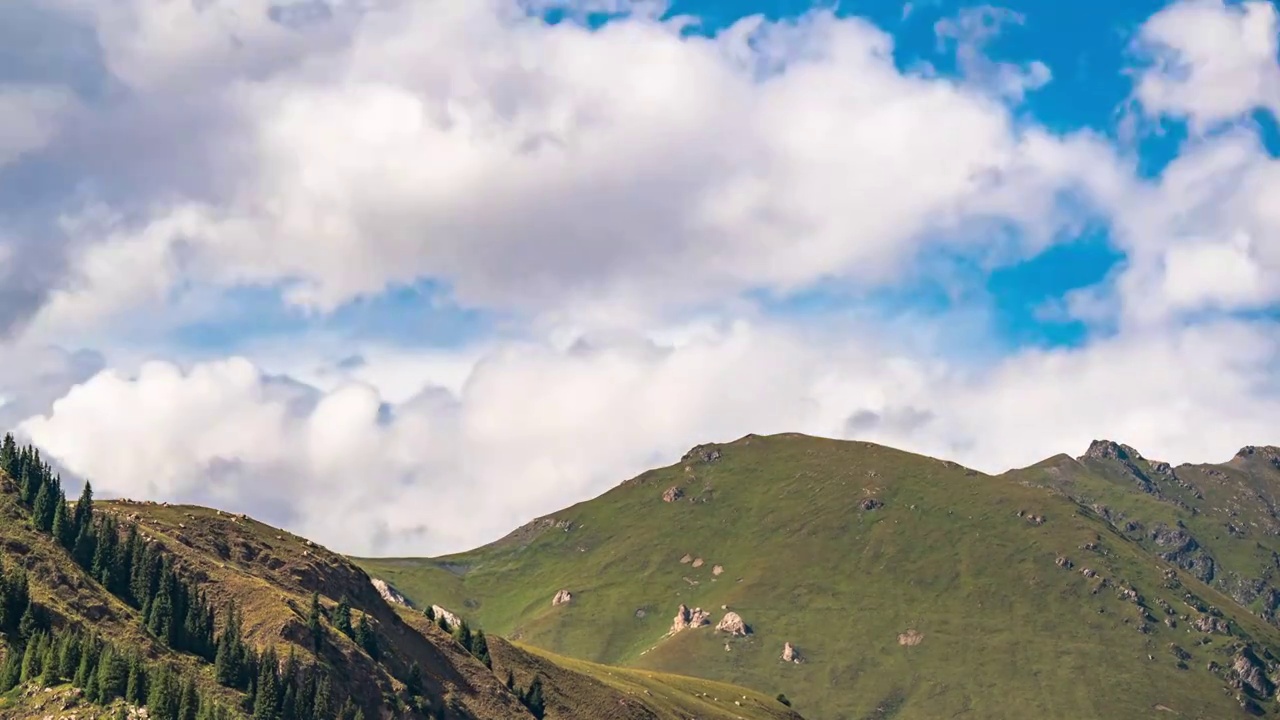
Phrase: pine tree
[136,686]
[113,675]
[189,704]
[87,670]
[31,658]
[69,655]
[61,529]
[266,702]
[342,619]
[533,698]
[162,696]
[9,456]
[462,633]
[29,624]
[11,671]
[322,706]
[430,612]
[44,507]
[414,680]
[366,638]
[83,514]
[84,547]
[480,648]
[49,663]
[313,623]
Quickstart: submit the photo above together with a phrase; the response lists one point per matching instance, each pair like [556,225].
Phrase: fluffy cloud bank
[536,427]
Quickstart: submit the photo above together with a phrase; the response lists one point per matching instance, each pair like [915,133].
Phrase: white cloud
[29,117]
[1210,61]
[545,168]
[536,428]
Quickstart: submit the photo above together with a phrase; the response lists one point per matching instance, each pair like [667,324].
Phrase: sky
[401,275]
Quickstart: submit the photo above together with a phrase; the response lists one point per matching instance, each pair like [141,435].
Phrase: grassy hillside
[269,576]
[911,587]
[1218,522]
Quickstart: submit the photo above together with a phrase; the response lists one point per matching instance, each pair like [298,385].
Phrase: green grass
[1007,634]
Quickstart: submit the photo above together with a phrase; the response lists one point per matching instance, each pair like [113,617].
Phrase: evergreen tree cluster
[473,642]
[174,610]
[105,674]
[530,697]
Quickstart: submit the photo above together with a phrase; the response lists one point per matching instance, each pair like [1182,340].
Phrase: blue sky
[494,257]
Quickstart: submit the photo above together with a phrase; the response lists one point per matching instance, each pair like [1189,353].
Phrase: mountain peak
[1268,452]
[1110,450]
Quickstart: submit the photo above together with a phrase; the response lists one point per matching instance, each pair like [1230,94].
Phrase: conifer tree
[113,675]
[69,654]
[9,456]
[414,680]
[342,619]
[430,612]
[533,698]
[189,703]
[88,667]
[480,648]
[136,686]
[31,658]
[61,529]
[29,624]
[11,671]
[49,662]
[314,625]
[83,514]
[366,638]
[462,633]
[322,705]
[44,507]
[162,696]
[266,701]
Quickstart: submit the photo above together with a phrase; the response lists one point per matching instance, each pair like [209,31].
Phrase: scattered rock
[672,494]
[699,562]
[1063,563]
[910,638]
[686,559]
[686,618]
[641,612]
[389,593]
[870,504]
[1087,572]
[790,654]
[717,570]
[562,597]
[1179,652]
[1211,625]
[1035,519]
[732,623]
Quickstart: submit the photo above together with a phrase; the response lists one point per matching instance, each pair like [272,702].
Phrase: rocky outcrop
[449,618]
[1210,624]
[672,494]
[870,504]
[1181,549]
[389,593]
[1063,562]
[698,562]
[561,598]
[732,623]
[910,638]
[686,619]
[790,654]
[717,570]
[702,453]
[1252,673]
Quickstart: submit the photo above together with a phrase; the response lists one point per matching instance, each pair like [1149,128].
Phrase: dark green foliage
[532,698]
[188,701]
[11,671]
[267,695]
[413,681]
[462,633]
[366,638]
[164,695]
[136,686]
[511,681]
[314,626]
[430,612]
[342,619]
[480,648]
[783,699]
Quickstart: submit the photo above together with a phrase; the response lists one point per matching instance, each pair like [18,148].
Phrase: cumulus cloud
[1210,61]
[551,167]
[535,427]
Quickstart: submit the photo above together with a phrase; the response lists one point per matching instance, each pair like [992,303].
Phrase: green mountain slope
[1218,522]
[404,668]
[911,587]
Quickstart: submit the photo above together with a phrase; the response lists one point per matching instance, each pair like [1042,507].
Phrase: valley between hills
[773,577]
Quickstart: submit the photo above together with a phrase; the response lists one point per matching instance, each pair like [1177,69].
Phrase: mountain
[200,614]
[910,587]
